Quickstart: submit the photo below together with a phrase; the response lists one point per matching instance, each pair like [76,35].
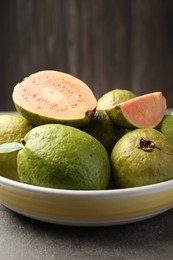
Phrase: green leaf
[10,147]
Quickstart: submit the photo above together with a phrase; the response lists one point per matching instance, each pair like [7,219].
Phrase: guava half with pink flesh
[144,111]
[54,97]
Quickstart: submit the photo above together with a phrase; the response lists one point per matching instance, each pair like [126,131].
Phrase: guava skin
[109,101]
[166,127]
[114,97]
[116,115]
[142,157]
[64,157]
[12,128]
[38,120]
[104,130]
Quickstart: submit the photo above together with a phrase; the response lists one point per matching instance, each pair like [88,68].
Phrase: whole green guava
[142,157]
[60,156]
[13,127]
[104,130]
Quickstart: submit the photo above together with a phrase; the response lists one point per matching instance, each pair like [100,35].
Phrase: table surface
[23,238]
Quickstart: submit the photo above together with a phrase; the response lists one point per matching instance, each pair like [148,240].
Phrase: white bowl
[87,208]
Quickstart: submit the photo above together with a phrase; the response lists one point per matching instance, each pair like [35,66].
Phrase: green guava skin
[133,166]
[64,157]
[38,120]
[117,116]
[104,130]
[13,128]
[166,127]
[109,101]
[114,97]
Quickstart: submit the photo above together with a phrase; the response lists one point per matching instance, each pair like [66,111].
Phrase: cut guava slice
[54,97]
[145,111]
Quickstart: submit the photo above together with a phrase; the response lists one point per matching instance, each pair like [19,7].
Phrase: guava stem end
[147,145]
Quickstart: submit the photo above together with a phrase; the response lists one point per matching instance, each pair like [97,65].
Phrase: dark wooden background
[106,43]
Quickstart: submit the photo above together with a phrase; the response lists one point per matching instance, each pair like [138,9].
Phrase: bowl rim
[147,189]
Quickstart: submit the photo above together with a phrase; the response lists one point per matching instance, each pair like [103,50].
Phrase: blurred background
[106,43]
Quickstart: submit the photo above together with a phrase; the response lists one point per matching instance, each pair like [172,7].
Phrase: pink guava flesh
[55,94]
[145,111]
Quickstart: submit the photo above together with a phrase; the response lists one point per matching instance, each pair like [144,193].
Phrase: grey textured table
[22,238]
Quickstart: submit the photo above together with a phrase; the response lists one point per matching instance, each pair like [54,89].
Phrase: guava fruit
[145,111]
[64,157]
[166,127]
[54,97]
[12,129]
[142,157]
[104,130]
[114,97]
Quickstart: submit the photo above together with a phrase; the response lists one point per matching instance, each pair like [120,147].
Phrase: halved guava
[54,97]
[145,111]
